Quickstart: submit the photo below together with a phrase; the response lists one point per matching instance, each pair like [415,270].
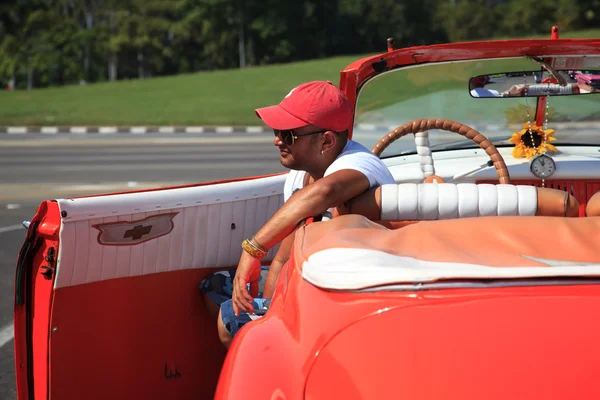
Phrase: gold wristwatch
[251,248]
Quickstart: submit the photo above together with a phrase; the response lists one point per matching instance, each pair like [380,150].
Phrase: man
[311,131]
[477,87]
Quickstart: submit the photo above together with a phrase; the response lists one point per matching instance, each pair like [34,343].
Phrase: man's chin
[286,160]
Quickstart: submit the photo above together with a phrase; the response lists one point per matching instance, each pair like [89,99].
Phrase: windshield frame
[355,75]
[537,106]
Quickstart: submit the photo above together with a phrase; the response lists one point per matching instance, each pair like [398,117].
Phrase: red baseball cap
[317,103]
[479,80]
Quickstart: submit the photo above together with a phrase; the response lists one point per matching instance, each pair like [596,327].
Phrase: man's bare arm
[309,201]
[314,199]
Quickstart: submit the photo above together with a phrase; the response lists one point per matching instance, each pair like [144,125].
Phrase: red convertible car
[475,276]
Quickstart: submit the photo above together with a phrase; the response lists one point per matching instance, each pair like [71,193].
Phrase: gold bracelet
[251,243]
[254,251]
[254,241]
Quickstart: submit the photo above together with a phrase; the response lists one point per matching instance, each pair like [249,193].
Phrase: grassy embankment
[209,98]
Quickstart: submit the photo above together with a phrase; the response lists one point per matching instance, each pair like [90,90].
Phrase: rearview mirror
[535,83]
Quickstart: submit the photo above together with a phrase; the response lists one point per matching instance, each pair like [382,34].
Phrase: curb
[140,130]
[135,130]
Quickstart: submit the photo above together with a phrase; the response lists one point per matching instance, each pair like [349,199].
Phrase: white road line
[255,129]
[16,130]
[7,334]
[49,130]
[136,130]
[78,129]
[224,129]
[11,228]
[194,129]
[367,127]
[107,130]
[166,129]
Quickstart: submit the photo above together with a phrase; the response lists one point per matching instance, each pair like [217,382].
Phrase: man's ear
[329,140]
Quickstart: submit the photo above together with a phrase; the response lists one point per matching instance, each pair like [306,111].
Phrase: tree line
[57,42]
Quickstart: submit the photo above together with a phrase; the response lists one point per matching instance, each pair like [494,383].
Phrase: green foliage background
[56,42]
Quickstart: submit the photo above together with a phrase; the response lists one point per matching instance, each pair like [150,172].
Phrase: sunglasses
[288,137]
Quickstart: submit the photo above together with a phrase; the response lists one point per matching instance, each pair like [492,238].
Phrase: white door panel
[207,230]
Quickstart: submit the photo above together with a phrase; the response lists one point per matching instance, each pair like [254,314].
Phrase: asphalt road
[35,167]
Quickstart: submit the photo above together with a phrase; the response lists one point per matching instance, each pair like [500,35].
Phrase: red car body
[529,341]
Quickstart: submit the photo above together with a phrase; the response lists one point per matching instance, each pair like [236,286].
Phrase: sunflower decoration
[532,140]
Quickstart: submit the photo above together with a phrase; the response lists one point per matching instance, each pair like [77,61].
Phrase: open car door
[107,300]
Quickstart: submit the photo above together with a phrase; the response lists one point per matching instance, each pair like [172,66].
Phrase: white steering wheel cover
[424,152]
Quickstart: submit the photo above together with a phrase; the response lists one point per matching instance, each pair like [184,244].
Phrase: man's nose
[277,141]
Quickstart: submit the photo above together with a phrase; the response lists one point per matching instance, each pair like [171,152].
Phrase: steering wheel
[419,128]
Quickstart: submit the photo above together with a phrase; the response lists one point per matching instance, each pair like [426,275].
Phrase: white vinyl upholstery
[346,269]
[210,223]
[433,201]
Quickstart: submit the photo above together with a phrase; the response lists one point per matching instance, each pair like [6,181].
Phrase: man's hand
[248,271]
[516,90]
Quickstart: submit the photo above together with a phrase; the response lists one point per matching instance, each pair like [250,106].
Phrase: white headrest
[433,201]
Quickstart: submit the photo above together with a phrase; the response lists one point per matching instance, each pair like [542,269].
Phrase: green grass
[207,98]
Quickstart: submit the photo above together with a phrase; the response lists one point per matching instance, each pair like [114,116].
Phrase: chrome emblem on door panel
[128,233]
